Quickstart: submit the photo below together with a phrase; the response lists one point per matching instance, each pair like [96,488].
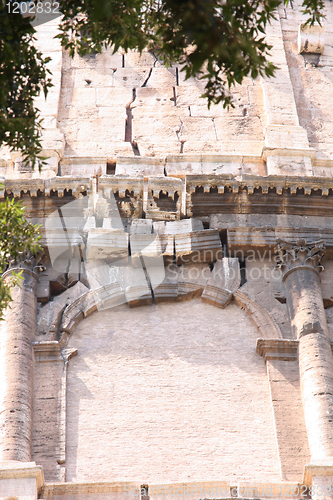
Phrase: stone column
[17,366]
[301,264]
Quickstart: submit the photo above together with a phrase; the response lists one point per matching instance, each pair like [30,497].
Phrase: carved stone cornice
[292,256]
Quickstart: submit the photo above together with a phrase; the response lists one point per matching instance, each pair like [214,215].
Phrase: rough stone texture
[109,244]
[22,480]
[288,413]
[49,372]
[138,389]
[49,316]
[124,124]
[198,246]
[17,370]
[312,84]
[264,286]
[224,281]
[300,264]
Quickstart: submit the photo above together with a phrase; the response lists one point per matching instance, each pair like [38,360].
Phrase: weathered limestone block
[102,128]
[146,250]
[138,166]
[192,280]
[195,146]
[168,231]
[183,226]
[64,245]
[133,59]
[130,78]
[82,166]
[49,316]
[118,285]
[97,272]
[319,477]
[166,241]
[224,281]
[133,282]
[153,102]
[167,291]
[185,164]
[284,137]
[23,480]
[107,244]
[279,137]
[165,128]
[113,221]
[141,226]
[311,39]
[198,246]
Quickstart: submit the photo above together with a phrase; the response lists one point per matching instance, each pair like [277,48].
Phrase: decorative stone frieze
[246,239]
[164,198]
[58,186]
[251,183]
[128,192]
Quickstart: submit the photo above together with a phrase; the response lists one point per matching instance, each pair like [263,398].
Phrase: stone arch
[259,316]
[138,370]
[112,295]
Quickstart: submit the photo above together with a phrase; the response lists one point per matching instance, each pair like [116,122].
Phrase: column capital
[292,256]
[25,262]
[28,265]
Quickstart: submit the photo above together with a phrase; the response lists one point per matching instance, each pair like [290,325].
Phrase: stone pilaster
[300,264]
[17,365]
[286,149]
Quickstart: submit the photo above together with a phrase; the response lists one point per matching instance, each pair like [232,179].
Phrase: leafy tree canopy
[17,237]
[220,41]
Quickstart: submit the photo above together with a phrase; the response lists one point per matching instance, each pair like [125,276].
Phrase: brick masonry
[169,394]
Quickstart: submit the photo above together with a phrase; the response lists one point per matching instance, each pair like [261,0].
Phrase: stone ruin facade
[174,338]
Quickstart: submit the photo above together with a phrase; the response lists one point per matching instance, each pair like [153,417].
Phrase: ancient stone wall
[169,393]
[209,374]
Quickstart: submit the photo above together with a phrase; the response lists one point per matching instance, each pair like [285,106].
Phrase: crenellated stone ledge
[171,186]
[251,183]
[57,186]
